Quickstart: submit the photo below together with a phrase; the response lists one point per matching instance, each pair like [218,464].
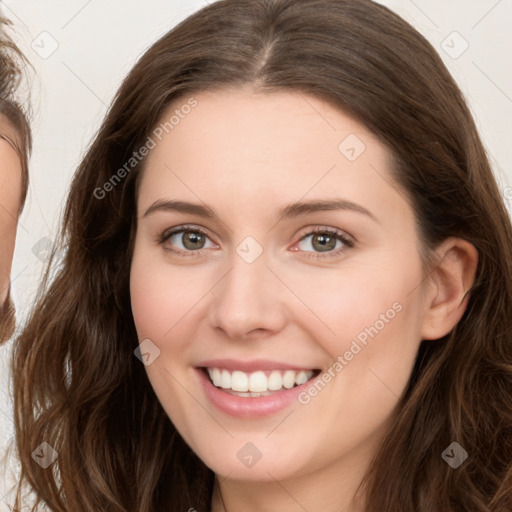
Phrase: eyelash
[338,235]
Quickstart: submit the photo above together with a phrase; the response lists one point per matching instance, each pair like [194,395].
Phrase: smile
[253,389]
[258,383]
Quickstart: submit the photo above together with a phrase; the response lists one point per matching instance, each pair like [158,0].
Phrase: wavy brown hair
[77,384]
[15,130]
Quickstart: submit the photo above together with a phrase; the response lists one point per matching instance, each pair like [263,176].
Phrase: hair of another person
[14,119]
[78,385]
[12,68]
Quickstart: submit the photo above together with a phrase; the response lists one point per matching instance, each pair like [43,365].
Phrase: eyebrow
[286,212]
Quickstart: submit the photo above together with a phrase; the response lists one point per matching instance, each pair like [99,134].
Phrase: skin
[245,155]
[10,195]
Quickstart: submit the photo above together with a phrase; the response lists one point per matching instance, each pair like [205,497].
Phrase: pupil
[326,242]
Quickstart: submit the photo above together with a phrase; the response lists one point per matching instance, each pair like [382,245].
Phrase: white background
[99,41]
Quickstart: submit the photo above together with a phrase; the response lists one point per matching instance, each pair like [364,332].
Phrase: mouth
[256,384]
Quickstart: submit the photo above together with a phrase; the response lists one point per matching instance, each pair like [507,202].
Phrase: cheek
[162,300]
[148,300]
[344,303]
[161,295]
[369,328]
[367,317]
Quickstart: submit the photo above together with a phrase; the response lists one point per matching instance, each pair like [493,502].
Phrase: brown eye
[193,240]
[185,240]
[324,241]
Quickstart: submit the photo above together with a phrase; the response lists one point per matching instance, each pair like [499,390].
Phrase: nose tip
[248,301]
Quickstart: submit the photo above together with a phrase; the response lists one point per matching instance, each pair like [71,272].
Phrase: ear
[446,296]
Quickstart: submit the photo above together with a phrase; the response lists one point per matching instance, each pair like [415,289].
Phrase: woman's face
[10,196]
[272,244]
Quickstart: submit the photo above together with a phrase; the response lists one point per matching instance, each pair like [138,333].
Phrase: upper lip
[251,366]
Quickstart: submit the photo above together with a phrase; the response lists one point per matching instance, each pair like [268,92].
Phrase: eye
[186,239]
[191,240]
[324,240]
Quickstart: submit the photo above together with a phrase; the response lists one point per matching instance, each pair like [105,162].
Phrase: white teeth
[275,381]
[225,382]
[289,379]
[216,377]
[258,382]
[239,381]
[301,378]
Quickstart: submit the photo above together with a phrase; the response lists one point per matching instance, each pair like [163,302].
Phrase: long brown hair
[78,386]
[15,130]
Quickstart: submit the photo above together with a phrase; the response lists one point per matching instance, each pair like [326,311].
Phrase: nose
[249,301]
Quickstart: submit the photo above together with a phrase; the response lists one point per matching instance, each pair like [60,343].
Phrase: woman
[280,290]
[15,145]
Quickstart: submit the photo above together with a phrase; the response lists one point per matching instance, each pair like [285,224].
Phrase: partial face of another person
[10,200]
[272,247]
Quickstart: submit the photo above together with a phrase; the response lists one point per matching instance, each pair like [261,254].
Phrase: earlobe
[449,283]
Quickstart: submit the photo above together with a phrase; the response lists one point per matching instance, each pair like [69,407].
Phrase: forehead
[263,146]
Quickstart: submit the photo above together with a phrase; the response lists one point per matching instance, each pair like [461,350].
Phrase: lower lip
[250,407]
